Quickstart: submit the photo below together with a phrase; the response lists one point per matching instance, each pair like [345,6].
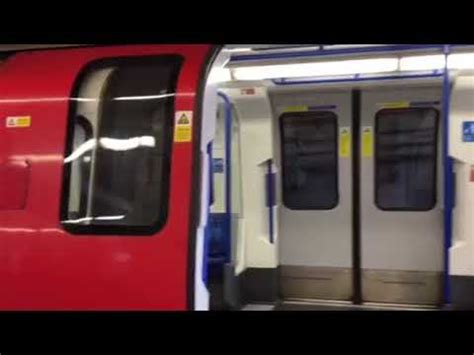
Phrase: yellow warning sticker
[183,126]
[367,142]
[395,104]
[344,142]
[298,108]
[18,121]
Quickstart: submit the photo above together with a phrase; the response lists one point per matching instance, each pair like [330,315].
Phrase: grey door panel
[315,245]
[401,231]
[401,250]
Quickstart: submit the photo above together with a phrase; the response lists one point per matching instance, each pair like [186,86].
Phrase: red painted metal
[14,180]
[42,267]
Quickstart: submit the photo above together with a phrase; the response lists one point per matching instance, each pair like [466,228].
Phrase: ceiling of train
[305,67]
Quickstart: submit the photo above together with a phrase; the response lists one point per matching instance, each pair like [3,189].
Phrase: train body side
[43,266]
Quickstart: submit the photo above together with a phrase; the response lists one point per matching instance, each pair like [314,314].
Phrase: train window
[117,167]
[309,159]
[405,161]
[80,169]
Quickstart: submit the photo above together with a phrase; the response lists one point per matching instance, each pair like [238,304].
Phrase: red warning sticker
[247,91]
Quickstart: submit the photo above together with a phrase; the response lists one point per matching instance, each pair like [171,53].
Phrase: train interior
[341,178]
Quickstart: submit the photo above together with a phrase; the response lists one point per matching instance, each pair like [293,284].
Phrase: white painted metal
[254,249]
[461,254]
[201,293]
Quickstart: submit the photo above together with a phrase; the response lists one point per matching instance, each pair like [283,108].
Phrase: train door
[364,227]
[401,226]
[315,247]
[101,152]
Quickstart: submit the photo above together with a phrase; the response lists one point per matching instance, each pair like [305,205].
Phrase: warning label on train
[297,108]
[218,165]
[183,126]
[344,142]
[18,121]
[367,142]
[468,131]
[394,104]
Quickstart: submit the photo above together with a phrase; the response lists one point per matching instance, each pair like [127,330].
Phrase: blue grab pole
[448,178]
[228,169]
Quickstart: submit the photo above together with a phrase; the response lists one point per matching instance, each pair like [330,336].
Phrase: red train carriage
[99,161]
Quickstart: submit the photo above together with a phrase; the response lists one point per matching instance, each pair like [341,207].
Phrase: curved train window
[117,165]
[405,161]
[309,159]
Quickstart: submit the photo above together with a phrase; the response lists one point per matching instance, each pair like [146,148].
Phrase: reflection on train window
[118,164]
[309,158]
[405,164]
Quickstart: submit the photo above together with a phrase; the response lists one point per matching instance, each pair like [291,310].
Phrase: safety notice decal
[468,131]
[395,104]
[295,108]
[183,126]
[344,142]
[18,121]
[367,142]
[247,91]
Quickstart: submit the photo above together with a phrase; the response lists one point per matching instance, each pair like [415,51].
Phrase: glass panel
[309,158]
[121,144]
[405,166]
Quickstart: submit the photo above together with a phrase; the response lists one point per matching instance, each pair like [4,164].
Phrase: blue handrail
[340,51]
[228,168]
[208,227]
[270,182]
[283,81]
[448,177]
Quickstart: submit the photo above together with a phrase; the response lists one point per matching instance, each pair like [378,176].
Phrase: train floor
[330,306]
[216,288]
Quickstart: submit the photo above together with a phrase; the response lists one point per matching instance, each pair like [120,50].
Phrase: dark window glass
[118,166]
[405,162]
[309,158]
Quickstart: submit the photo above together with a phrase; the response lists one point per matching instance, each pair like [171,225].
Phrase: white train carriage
[351,176]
